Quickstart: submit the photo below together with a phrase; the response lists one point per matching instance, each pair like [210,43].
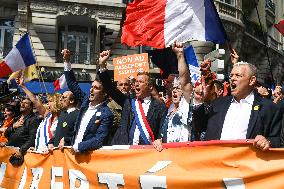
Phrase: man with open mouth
[243,115]
[142,116]
[177,125]
[94,119]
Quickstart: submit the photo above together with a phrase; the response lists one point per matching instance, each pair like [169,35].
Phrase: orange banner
[220,166]
[129,66]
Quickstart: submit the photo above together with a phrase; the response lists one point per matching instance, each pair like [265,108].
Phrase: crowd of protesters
[131,112]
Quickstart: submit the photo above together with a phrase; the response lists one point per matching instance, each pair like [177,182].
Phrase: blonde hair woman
[50,113]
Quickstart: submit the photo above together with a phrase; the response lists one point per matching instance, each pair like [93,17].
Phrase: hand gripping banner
[197,165]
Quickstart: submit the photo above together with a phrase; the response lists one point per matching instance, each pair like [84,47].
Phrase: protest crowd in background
[133,113]
[131,110]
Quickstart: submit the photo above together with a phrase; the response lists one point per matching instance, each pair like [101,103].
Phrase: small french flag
[19,58]
[60,83]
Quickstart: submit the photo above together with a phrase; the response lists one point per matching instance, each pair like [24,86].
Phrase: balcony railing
[254,30]
[273,43]
[4,52]
[229,10]
[78,58]
[127,1]
[270,6]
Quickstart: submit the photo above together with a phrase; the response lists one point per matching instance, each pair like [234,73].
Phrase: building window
[231,2]
[79,40]
[6,36]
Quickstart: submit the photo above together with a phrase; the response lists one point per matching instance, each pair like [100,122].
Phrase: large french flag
[158,23]
[19,58]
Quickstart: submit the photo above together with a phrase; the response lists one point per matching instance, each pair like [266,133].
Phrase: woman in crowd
[9,115]
[50,113]
[177,125]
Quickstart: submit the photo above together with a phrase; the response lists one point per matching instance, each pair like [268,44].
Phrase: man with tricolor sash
[141,116]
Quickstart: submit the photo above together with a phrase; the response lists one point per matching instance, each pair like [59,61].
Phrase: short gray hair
[252,68]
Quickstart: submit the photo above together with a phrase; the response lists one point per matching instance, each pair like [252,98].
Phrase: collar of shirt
[249,99]
[91,107]
[147,100]
[69,110]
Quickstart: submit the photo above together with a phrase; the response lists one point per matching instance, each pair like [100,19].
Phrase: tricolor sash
[45,131]
[141,122]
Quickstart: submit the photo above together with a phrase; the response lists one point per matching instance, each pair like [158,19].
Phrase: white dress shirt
[69,110]
[67,66]
[145,106]
[179,129]
[237,119]
[92,110]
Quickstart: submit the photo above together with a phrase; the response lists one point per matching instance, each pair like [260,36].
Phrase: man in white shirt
[244,115]
[94,119]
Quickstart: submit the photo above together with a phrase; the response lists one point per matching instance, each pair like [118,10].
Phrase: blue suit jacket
[96,133]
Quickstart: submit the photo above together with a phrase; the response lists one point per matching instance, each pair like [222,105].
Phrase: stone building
[249,24]
[85,27]
[88,26]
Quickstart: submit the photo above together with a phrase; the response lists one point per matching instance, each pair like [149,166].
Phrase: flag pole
[37,66]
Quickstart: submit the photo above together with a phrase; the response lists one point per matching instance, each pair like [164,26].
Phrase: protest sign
[129,66]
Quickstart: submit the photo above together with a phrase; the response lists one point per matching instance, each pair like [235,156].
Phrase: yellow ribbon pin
[256,108]
[64,124]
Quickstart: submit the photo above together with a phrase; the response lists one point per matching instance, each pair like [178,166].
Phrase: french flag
[60,83]
[19,58]
[159,23]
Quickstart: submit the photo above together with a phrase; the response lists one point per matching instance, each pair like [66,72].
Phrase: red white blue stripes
[158,23]
[20,57]
[43,134]
[60,83]
[141,122]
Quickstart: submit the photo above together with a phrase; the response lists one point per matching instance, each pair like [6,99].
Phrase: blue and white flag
[192,64]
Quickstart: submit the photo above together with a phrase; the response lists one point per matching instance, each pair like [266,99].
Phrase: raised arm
[183,70]
[37,103]
[234,57]
[109,86]
[70,78]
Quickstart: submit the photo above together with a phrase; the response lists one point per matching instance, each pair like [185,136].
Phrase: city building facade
[87,27]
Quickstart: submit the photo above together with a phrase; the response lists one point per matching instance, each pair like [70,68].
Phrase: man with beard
[66,121]
[132,129]
[22,133]
[243,115]
[94,119]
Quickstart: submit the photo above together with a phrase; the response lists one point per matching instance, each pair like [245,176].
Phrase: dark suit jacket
[97,128]
[66,121]
[155,116]
[265,119]
[281,106]
[24,136]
